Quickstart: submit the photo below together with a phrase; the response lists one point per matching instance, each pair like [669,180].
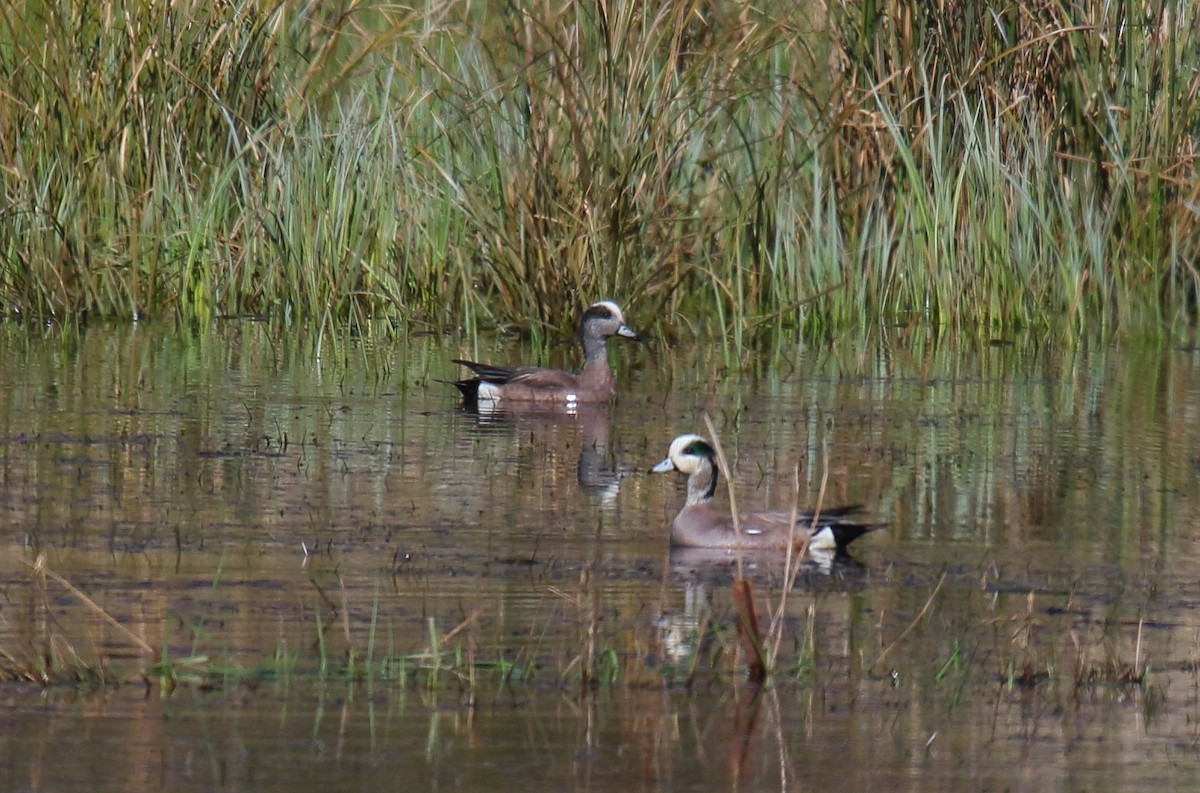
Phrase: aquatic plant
[1067,655]
[1067,651]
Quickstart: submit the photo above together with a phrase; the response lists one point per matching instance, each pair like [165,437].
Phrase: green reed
[1070,132]
[476,164]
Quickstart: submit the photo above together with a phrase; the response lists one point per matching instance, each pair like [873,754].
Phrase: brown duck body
[701,524]
[534,385]
[596,383]
[707,526]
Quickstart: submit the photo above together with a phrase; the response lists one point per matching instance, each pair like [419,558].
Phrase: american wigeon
[537,385]
[701,524]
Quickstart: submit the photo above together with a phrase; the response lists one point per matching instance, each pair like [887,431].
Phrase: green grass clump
[467,163]
[1034,161]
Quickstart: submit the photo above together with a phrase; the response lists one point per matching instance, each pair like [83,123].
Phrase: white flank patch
[489,392]
[823,540]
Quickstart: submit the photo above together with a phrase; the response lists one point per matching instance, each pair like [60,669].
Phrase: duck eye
[698,449]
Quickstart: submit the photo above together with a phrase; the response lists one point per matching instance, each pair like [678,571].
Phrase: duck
[535,385]
[701,524]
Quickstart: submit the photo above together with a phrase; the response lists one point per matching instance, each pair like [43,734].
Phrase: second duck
[701,524]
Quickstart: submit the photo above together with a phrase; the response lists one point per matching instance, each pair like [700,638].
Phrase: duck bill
[663,467]
[628,333]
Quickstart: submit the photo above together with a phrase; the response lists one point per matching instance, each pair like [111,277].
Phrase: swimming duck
[700,524]
[538,385]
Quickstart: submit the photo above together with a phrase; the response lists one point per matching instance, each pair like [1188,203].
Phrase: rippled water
[311,524]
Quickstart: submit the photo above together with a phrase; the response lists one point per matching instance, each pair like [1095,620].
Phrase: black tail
[846,532]
[469,388]
[845,529]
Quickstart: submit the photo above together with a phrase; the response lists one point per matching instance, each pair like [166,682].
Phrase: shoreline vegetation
[52,647]
[749,169]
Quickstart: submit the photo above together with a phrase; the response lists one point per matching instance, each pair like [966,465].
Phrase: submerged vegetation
[74,640]
[476,163]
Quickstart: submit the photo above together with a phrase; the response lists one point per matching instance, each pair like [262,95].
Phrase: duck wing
[535,377]
[544,379]
[485,371]
[834,528]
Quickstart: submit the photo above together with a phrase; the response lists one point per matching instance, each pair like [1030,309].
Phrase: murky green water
[260,510]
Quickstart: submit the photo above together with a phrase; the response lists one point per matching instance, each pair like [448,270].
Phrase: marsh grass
[1059,653]
[1033,652]
[46,653]
[57,646]
[1027,146]
[472,165]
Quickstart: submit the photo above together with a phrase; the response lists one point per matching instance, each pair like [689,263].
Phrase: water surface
[310,523]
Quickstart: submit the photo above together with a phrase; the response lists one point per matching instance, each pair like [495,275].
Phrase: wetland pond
[271,569]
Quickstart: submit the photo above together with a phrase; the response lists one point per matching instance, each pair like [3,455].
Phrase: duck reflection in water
[596,472]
